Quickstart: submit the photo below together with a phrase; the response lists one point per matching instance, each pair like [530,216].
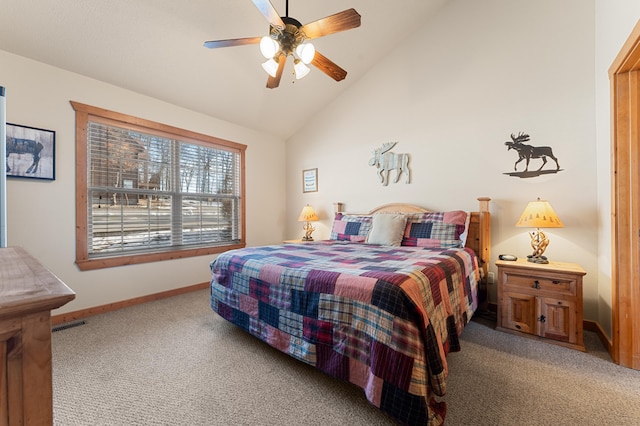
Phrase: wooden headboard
[478,239]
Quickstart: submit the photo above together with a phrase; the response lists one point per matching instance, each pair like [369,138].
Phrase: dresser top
[27,286]
[552,266]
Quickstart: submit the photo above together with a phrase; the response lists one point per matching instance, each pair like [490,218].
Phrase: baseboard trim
[84,313]
[595,328]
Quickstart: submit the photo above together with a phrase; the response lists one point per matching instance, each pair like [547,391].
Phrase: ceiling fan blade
[274,82]
[341,21]
[266,8]
[328,67]
[232,42]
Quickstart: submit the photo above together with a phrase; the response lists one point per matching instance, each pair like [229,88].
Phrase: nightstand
[542,301]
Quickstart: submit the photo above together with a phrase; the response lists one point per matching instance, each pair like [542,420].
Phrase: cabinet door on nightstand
[559,319]
[519,312]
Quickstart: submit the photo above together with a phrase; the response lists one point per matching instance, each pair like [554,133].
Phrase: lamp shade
[300,69]
[308,214]
[306,52]
[271,67]
[539,214]
[268,47]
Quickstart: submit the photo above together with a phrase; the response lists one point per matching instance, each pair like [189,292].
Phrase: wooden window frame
[83,114]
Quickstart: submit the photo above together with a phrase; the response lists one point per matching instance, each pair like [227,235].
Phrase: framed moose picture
[30,152]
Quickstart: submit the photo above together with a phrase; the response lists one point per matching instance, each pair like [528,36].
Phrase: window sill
[114,261]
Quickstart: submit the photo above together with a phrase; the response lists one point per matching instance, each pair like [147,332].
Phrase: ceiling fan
[287,36]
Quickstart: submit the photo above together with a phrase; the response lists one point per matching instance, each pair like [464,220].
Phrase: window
[147,192]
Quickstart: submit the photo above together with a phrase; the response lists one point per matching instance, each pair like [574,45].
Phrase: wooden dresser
[28,293]
[541,300]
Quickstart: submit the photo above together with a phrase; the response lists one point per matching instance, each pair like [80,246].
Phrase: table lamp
[539,214]
[308,215]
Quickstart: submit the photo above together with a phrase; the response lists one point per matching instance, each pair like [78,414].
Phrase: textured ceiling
[155,47]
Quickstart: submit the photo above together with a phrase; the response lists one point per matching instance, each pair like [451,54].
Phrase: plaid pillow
[351,228]
[435,229]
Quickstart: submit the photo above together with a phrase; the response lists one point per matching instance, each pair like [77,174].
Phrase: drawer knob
[536,284]
[555,282]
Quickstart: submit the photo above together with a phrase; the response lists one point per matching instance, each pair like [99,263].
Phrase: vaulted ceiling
[155,47]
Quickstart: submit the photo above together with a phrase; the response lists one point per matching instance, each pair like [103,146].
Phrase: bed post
[485,234]
[337,207]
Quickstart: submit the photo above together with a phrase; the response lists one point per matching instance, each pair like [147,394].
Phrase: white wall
[41,214]
[615,19]
[451,95]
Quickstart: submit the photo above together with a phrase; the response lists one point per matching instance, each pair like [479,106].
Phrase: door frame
[624,75]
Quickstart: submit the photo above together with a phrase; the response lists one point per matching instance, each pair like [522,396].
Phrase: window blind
[150,192]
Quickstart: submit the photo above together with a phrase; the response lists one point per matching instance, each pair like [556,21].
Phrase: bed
[380,304]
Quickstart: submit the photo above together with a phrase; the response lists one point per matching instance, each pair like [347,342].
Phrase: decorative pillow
[436,229]
[351,228]
[387,229]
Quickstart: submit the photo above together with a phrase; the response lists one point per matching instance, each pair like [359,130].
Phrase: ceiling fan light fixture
[306,52]
[271,67]
[268,47]
[300,69]
[287,37]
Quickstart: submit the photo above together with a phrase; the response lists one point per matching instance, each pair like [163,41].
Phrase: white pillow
[387,229]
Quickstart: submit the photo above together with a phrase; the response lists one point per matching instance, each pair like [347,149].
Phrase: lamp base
[539,243]
[537,259]
[308,230]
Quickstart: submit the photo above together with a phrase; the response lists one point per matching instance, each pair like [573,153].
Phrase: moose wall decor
[30,152]
[528,152]
[24,146]
[386,161]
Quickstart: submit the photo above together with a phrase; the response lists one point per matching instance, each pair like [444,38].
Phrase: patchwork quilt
[381,317]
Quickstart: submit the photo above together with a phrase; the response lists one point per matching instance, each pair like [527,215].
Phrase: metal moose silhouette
[527,152]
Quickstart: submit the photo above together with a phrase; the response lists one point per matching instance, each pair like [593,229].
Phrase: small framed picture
[310,180]
[30,152]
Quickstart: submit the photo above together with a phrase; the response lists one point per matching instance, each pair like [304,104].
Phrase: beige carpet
[175,362]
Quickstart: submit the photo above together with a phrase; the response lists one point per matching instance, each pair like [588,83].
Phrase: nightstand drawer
[557,285]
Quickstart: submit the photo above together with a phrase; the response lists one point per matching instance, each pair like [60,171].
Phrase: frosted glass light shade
[268,47]
[271,67]
[300,69]
[306,52]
